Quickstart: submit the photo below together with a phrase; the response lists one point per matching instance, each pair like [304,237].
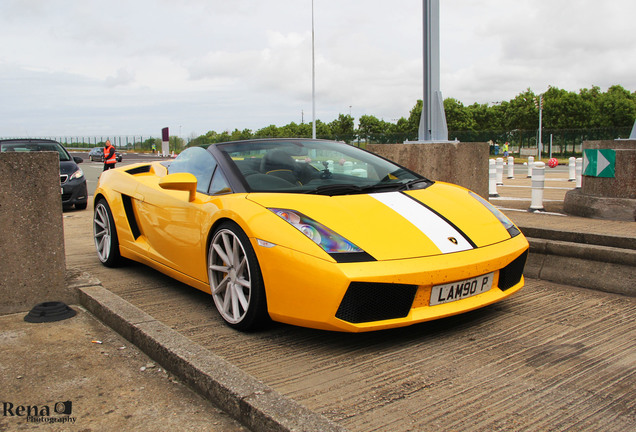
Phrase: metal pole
[540,120]
[425,122]
[433,126]
[313,76]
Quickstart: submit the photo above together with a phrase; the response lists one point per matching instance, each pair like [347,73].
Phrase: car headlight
[77,174]
[507,223]
[327,239]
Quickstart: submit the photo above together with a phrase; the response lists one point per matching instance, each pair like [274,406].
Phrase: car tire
[91,158]
[236,282]
[81,206]
[105,235]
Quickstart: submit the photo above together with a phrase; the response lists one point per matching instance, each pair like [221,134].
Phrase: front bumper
[311,292]
[74,192]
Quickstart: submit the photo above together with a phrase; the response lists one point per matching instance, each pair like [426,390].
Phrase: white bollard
[538,183]
[511,167]
[530,163]
[499,166]
[492,179]
[579,172]
[572,165]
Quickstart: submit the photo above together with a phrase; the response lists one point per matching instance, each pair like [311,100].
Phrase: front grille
[63,178]
[366,301]
[510,275]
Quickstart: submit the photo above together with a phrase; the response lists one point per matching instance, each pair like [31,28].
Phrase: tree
[590,108]
[413,126]
[322,130]
[521,112]
[458,118]
[565,110]
[617,107]
[342,128]
[270,131]
[372,129]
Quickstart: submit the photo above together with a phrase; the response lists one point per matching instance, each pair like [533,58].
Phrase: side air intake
[510,275]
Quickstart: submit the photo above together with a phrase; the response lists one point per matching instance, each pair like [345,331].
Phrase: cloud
[217,65]
[122,77]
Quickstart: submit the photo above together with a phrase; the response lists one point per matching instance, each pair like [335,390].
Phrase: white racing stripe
[434,227]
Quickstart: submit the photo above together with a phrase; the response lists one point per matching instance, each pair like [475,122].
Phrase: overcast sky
[122,67]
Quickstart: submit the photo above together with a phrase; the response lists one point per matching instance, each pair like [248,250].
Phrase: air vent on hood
[139,170]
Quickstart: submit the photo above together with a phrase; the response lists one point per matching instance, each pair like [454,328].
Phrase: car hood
[440,219]
[68,167]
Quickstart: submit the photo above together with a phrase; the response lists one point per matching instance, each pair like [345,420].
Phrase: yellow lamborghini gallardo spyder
[309,232]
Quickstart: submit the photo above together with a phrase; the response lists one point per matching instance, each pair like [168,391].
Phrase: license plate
[461,289]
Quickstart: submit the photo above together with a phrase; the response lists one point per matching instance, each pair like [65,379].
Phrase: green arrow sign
[599,163]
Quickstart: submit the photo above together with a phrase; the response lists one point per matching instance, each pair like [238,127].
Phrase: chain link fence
[522,143]
[561,142]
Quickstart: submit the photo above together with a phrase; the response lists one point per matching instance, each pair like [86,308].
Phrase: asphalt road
[550,358]
[92,170]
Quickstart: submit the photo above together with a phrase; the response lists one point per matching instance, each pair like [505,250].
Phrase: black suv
[72,178]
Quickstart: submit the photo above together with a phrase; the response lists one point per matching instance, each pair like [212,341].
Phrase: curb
[602,268]
[579,237]
[240,395]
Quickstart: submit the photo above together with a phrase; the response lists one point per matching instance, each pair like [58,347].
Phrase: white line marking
[434,227]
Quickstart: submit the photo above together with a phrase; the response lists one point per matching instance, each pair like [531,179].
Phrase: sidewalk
[515,198]
[78,374]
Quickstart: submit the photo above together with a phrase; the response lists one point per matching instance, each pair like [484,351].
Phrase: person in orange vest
[110,156]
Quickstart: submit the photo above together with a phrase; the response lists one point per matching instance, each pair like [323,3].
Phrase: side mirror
[78,159]
[180,182]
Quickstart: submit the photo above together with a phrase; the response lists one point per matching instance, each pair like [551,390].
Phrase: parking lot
[552,357]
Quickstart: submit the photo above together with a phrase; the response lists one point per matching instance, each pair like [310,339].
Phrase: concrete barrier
[464,164]
[607,197]
[582,263]
[32,233]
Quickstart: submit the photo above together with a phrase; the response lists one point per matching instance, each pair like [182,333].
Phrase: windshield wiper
[422,183]
[336,189]
[350,189]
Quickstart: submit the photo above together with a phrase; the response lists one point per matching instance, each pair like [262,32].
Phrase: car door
[176,227]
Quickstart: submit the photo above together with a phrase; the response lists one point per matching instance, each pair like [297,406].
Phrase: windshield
[31,146]
[310,166]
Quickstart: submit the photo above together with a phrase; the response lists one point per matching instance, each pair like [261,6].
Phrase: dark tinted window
[31,146]
[307,166]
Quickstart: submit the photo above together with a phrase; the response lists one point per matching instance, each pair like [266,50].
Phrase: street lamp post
[313,76]
[539,104]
